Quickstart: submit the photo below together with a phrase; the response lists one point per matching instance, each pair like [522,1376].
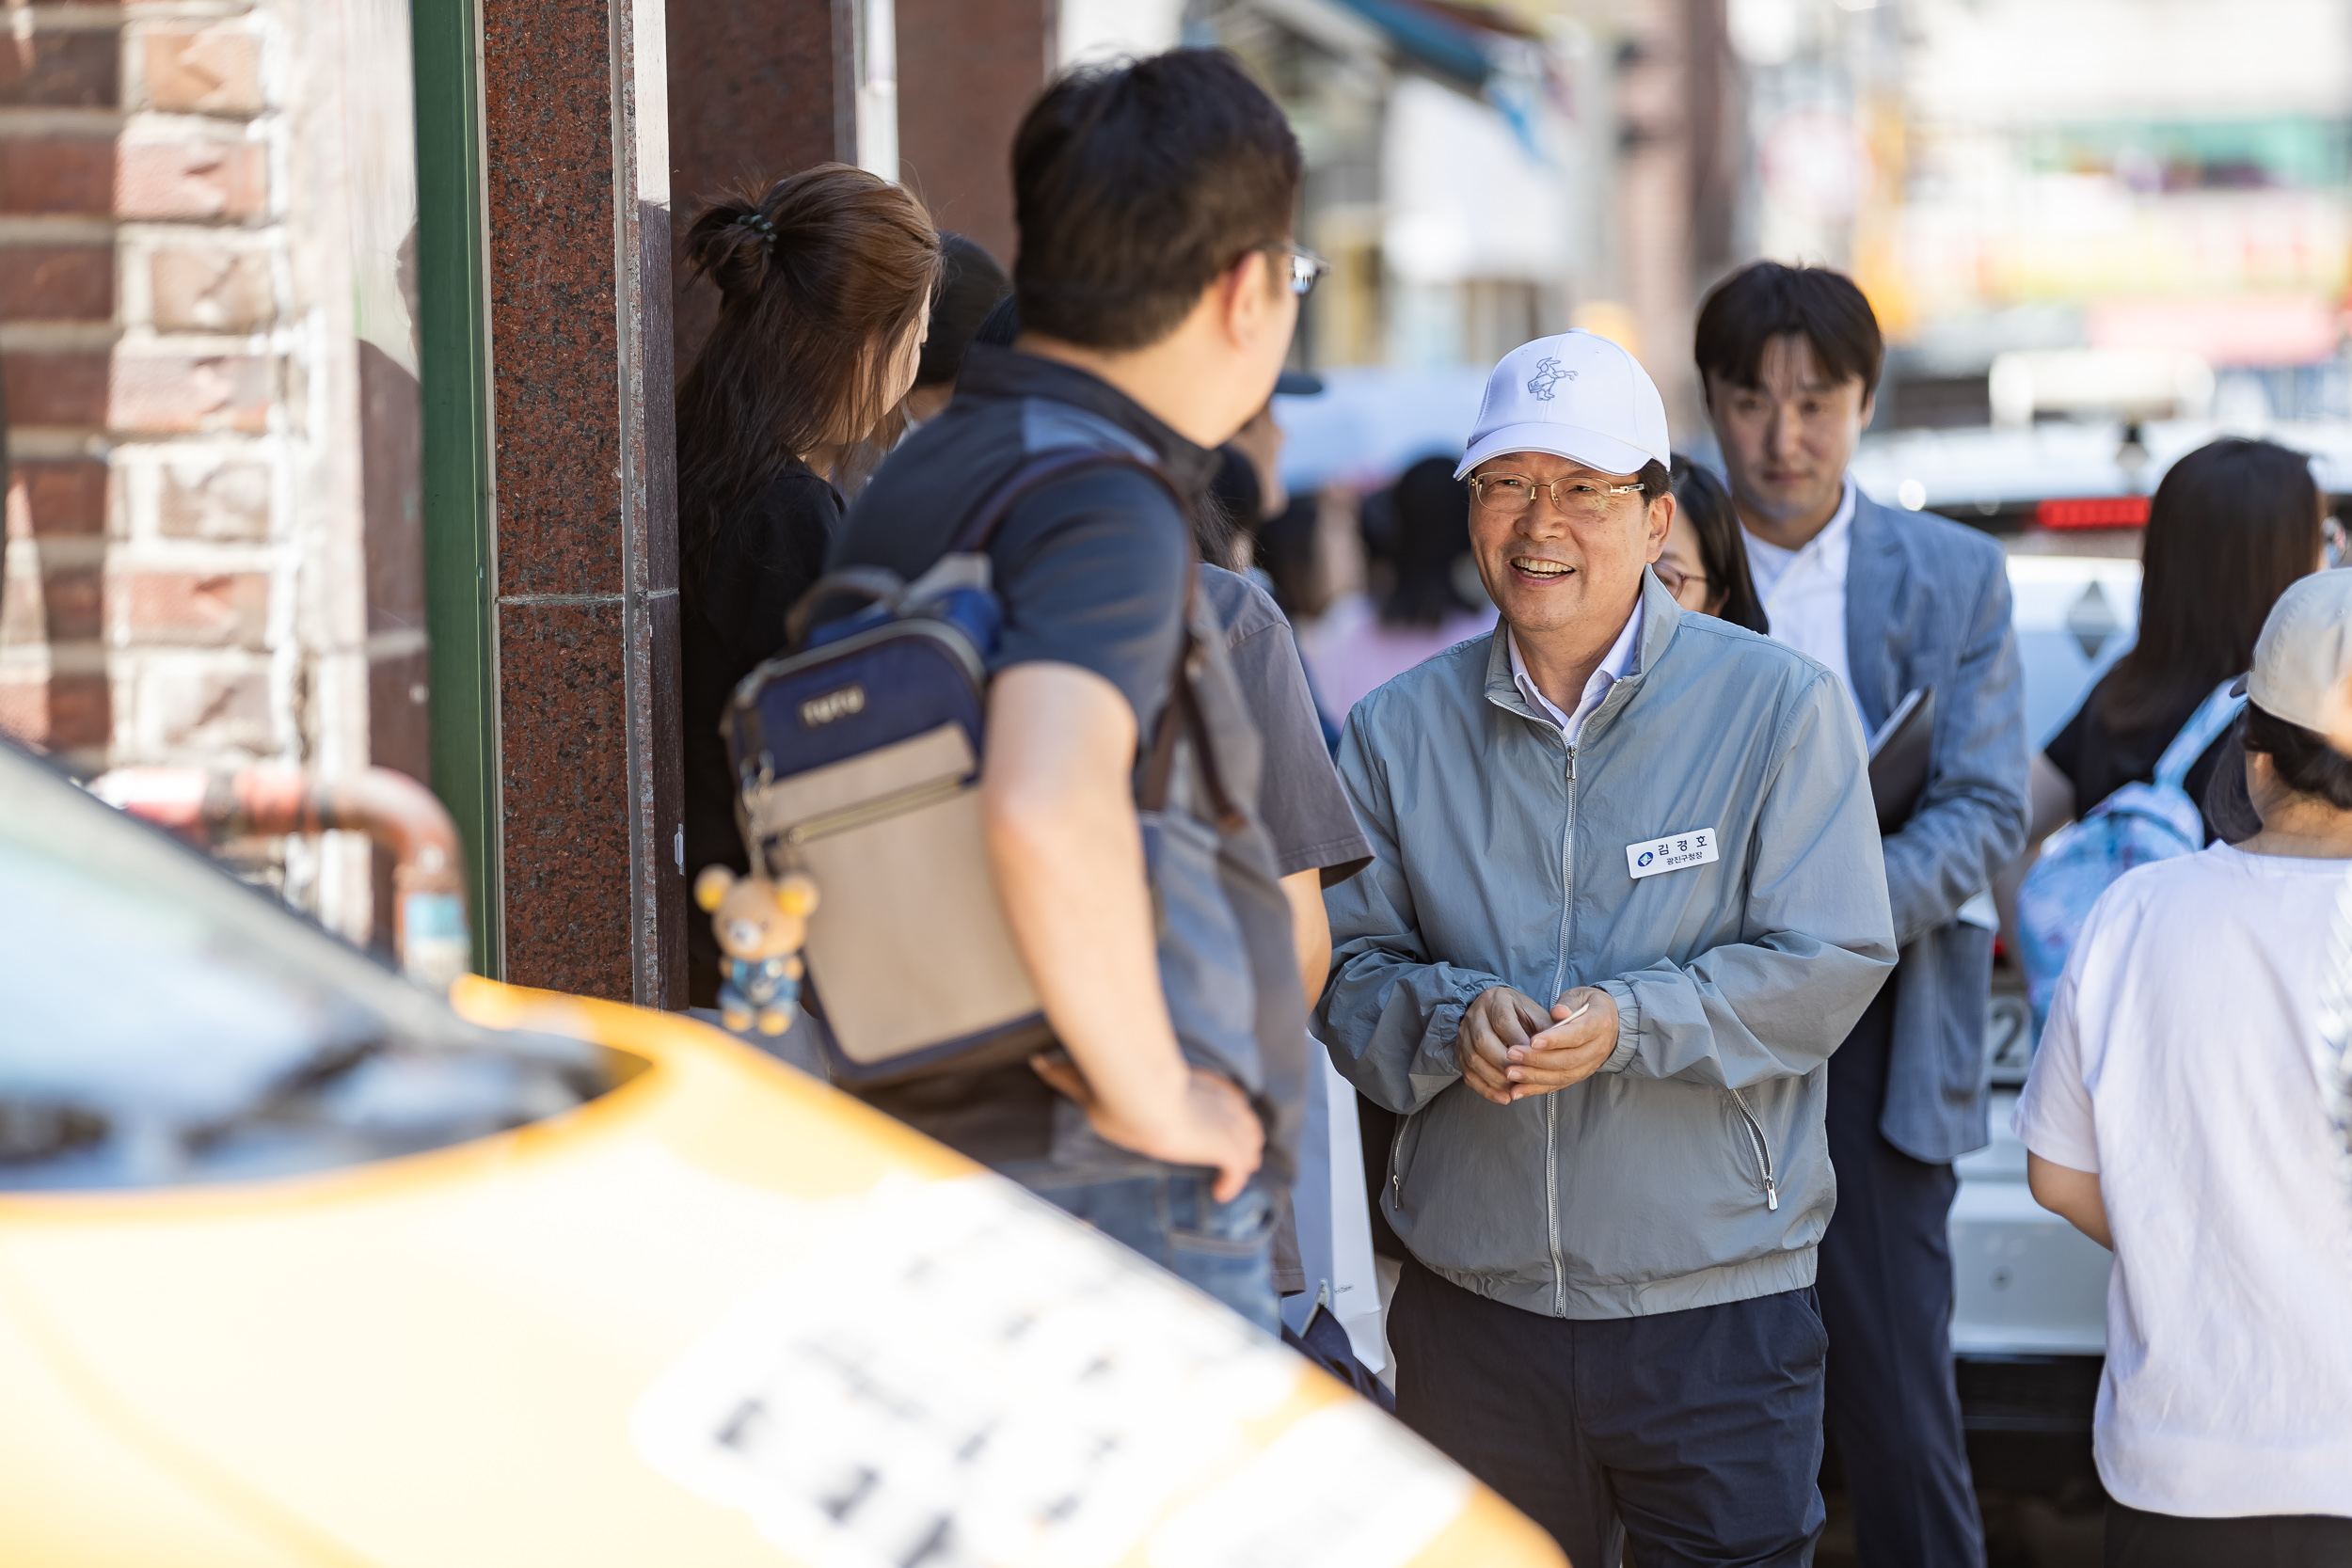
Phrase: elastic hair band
[758,223]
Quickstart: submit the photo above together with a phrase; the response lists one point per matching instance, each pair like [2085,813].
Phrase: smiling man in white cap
[2184,1109]
[1626,897]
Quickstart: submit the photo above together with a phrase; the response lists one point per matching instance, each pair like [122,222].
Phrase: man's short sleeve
[1300,797]
[1091,572]
[2054,1114]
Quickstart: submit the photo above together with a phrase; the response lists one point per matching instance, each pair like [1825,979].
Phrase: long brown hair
[2233,524]
[819,277]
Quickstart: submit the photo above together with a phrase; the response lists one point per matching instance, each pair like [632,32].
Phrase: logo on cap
[1548,375]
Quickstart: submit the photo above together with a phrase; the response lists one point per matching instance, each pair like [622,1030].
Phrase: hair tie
[758,223]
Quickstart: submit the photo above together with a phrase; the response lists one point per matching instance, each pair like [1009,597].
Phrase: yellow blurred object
[720,1314]
[1611,319]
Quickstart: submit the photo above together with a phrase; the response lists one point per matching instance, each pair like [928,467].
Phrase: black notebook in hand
[1898,758]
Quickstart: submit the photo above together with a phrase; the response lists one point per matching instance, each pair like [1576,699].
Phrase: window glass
[164,1023]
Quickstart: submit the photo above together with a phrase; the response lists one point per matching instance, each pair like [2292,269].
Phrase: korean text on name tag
[1674,852]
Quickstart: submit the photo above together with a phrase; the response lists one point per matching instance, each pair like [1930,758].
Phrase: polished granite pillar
[577,191]
[968,69]
[758,89]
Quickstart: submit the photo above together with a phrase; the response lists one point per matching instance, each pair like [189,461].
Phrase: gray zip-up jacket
[1693,1167]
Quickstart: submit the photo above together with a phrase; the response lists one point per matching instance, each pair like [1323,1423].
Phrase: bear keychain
[760,924]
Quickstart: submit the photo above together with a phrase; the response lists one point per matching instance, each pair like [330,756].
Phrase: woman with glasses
[1705,564]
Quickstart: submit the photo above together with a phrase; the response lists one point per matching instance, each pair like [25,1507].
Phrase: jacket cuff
[1437,1054]
[1629,1024]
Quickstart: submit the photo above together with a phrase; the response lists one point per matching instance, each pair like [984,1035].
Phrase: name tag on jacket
[1674,853]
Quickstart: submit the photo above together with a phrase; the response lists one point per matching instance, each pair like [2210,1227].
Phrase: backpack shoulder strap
[2204,726]
[981,526]
[1155,764]
[874,586]
[870,584]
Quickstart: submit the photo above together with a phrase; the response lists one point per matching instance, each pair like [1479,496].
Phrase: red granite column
[576,157]
[758,88]
[967,72]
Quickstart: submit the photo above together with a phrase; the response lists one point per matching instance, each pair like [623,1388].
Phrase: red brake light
[2093,511]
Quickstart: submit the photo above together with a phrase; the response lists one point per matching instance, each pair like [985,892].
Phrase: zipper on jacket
[1763,1153]
[1551,1100]
[1397,1162]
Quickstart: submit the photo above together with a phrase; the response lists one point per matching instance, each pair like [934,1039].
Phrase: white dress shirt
[1615,665]
[1804,591]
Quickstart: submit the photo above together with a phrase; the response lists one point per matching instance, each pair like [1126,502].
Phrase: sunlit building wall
[2026,175]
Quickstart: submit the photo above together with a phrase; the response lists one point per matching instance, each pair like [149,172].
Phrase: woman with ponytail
[825,281]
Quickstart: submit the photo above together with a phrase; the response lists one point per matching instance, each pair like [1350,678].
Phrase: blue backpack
[2138,824]
[857,761]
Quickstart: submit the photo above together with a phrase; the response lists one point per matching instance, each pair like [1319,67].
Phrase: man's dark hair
[969,285]
[1135,185]
[1229,513]
[1766,300]
[2305,762]
[1001,325]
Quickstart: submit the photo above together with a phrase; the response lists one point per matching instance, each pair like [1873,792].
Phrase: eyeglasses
[1306,268]
[1580,496]
[1672,578]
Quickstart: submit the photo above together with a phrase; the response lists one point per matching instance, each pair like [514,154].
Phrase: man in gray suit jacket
[1891,602]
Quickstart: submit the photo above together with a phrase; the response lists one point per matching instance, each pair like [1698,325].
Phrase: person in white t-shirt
[2177,1112]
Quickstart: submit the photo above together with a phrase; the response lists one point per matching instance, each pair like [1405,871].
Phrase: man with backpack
[1891,603]
[2184,1109]
[1157,288]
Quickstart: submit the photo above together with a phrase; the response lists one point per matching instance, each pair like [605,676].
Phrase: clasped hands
[1510,1048]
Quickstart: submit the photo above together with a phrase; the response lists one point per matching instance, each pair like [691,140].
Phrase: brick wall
[186,242]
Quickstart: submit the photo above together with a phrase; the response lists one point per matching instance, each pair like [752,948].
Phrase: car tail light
[2093,511]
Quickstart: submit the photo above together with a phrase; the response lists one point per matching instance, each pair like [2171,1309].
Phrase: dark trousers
[1886,1294]
[1695,1434]
[2139,1540]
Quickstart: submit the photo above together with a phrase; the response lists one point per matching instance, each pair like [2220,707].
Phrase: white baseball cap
[2305,651]
[1575,396]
